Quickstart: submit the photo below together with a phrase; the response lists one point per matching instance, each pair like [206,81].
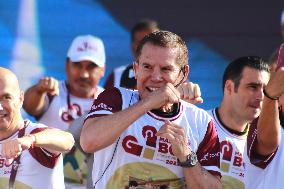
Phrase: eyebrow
[254,84]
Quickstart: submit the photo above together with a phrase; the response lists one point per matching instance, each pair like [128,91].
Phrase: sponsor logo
[101,106]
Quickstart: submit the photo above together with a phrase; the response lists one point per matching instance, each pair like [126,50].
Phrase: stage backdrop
[35,35]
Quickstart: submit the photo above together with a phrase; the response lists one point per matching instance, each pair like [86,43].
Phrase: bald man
[30,154]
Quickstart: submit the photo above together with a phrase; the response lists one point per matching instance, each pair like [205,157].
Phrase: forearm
[54,140]
[269,129]
[102,131]
[34,102]
[198,178]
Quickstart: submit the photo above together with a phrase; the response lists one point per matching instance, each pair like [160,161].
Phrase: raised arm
[108,127]
[268,126]
[35,102]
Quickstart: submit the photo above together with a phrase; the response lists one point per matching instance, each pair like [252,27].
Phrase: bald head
[11,100]
[9,78]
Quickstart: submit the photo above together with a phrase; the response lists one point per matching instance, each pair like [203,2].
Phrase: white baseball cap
[87,47]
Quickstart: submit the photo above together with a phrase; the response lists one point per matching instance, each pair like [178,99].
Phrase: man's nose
[157,75]
[1,108]
[259,94]
[84,74]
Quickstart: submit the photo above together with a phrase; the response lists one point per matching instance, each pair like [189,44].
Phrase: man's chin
[253,114]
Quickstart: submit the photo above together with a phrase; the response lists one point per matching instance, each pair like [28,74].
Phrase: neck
[13,128]
[230,119]
[81,94]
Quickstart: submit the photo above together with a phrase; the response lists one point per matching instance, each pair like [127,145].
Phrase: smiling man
[30,154]
[151,137]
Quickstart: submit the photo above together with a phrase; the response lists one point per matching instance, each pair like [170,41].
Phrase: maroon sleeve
[208,152]
[43,156]
[110,81]
[254,157]
[108,102]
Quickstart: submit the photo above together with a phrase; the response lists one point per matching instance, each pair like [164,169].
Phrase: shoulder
[211,112]
[112,93]
[34,127]
[196,114]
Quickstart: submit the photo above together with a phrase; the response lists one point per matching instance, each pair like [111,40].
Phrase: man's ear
[102,71]
[67,64]
[135,68]
[185,70]
[22,95]
[229,86]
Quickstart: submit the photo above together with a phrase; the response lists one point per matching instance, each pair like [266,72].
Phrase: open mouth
[151,89]
[2,115]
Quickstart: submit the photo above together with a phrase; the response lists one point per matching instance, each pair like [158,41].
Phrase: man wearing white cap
[58,103]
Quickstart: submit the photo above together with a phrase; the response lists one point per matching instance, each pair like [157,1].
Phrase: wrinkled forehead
[154,54]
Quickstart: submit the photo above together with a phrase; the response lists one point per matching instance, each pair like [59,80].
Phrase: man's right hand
[163,97]
[48,85]
[13,148]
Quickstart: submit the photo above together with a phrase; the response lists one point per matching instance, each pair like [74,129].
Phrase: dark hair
[163,187]
[166,39]
[143,25]
[132,183]
[235,69]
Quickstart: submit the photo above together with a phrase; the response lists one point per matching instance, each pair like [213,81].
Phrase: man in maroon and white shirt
[265,143]
[30,154]
[150,137]
[58,103]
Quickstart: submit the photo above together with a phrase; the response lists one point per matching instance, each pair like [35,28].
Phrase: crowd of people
[144,129]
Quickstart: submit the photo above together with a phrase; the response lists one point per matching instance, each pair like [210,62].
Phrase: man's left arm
[53,140]
[199,178]
[196,176]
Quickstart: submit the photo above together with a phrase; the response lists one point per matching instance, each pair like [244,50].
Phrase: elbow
[269,144]
[86,144]
[90,140]
[69,142]
[265,147]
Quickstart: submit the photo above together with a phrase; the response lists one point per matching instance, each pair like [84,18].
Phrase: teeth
[152,88]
